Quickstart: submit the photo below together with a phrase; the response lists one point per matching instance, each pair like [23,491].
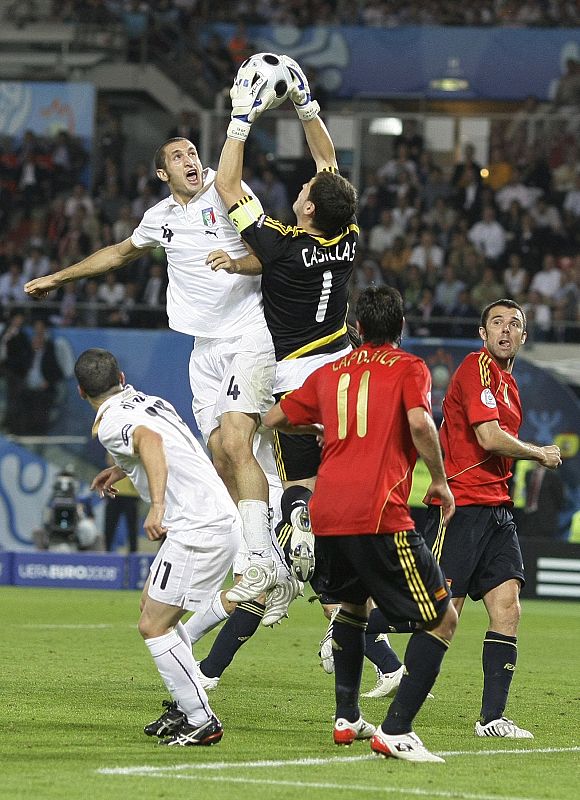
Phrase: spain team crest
[208,216]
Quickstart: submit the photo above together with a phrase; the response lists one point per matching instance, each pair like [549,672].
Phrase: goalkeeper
[305,272]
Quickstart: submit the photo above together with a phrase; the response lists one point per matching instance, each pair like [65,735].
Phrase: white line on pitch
[306,762]
[351,787]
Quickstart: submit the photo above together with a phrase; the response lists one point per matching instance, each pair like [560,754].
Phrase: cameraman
[68,523]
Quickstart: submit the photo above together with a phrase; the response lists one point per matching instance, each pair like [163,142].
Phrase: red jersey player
[479,549]
[374,405]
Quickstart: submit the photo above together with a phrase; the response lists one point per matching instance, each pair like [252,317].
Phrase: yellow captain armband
[245,212]
[334,170]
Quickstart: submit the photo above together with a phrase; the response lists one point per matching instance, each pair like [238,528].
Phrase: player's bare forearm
[104,260]
[228,179]
[501,443]
[149,447]
[276,419]
[426,441]
[246,265]
[319,143]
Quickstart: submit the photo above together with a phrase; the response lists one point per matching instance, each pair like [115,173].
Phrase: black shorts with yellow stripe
[396,569]
[297,457]
[478,550]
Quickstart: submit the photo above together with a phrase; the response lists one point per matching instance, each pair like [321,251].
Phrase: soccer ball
[271,67]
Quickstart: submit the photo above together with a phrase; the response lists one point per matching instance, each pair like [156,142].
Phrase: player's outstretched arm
[501,443]
[426,441]
[149,447]
[104,260]
[246,108]
[103,482]
[316,132]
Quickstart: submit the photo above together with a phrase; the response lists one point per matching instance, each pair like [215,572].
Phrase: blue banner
[69,570]
[6,568]
[46,108]
[489,63]
[138,569]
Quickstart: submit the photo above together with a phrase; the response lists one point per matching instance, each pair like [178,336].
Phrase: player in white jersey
[232,364]
[189,506]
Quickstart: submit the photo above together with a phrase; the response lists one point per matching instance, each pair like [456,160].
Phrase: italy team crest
[208,216]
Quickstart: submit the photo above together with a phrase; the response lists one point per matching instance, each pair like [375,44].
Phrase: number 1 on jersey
[362,404]
[324,295]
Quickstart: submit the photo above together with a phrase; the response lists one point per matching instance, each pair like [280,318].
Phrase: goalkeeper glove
[305,106]
[250,97]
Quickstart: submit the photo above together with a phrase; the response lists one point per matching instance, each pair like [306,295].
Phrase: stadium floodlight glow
[386,126]
[449,84]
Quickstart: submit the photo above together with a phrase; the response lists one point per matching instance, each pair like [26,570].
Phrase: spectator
[499,170]
[79,198]
[154,297]
[448,290]
[539,316]
[91,312]
[466,315]
[548,280]
[517,190]
[515,278]
[571,203]
[468,162]
[111,292]
[15,357]
[487,290]
[40,384]
[35,265]
[468,194]
[488,236]
[396,260]
[382,235]
[427,252]
[12,285]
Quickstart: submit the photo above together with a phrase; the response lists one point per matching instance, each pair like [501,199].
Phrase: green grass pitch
[78,685]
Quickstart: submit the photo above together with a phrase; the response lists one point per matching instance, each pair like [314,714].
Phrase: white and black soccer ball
[271,67]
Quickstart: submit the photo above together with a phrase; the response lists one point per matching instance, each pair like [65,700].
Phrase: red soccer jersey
[362,400]
[479,391]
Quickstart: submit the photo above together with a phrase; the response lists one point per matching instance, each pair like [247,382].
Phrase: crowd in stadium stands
[386,13]
[450,239]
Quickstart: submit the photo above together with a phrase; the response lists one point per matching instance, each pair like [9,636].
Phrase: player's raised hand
[305,106]
[551,456]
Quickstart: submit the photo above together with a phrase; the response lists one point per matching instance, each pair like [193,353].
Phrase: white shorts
[291,374]
[188,576]
[234,374]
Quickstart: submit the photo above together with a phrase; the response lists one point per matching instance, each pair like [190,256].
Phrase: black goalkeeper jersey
[305,280]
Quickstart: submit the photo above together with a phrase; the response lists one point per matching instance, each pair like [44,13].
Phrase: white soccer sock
[199,624]
[183,634]
[175,664]
[255,516]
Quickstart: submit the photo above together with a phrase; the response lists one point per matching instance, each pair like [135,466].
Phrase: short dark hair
[334,201]
[97,371]
[379,310]
[504,302]
[159,157]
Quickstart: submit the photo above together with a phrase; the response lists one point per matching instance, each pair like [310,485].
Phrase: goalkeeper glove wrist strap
[237,129]
[308,111]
